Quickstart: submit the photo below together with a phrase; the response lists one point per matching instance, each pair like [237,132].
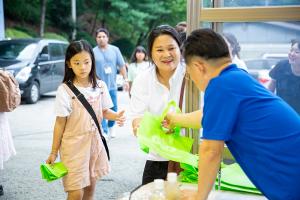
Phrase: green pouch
[233,177]
[151,135]
[53,172]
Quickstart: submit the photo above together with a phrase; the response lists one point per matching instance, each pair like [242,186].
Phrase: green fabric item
[151,135]
[53,172]
[234,175]
[232,178]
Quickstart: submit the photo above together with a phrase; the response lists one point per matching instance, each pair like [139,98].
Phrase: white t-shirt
[148,94]
[63,101]
[136,68]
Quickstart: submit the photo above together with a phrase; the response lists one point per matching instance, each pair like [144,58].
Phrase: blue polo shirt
[261,131]
[108,62]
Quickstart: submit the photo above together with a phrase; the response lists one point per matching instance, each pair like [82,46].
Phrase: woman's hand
[136,125]
[120,119]
[51,159]
[168,122]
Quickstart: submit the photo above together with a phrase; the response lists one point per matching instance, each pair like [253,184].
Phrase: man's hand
[188,195]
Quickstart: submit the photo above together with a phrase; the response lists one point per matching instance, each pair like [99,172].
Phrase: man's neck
[104,47]
[219,66]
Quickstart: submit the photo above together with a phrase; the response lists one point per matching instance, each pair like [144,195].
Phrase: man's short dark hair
[104,30]
[206,44]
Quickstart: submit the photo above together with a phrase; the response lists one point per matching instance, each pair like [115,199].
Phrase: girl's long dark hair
[74,48]
[138,49]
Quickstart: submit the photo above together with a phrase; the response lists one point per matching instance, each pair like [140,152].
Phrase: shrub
[14,33]
[55,36]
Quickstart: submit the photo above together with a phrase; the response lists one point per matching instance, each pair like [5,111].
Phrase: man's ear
[199,64]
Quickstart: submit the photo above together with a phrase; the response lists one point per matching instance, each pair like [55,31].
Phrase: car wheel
[34,93]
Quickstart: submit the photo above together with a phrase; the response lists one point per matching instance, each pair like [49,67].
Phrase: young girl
[76,136]
[138,63]
[155,87]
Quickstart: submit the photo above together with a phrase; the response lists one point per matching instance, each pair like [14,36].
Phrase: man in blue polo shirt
[109,60]
[260,129]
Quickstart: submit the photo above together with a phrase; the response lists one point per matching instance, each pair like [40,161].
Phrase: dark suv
[37,64]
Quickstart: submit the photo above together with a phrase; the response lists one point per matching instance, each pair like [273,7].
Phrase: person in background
[181,29]
[75,135]
[8,95]
[286,77]
[155,87]
[261,131]
[7,148]
[138,63]
[235,49]
[109,61]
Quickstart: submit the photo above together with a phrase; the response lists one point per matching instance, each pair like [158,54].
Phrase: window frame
[197,15]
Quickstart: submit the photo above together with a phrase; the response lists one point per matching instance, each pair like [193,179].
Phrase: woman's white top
[148,94]
[63,100]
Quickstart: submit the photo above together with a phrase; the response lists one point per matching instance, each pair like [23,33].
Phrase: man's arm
[210,155]
[188,120]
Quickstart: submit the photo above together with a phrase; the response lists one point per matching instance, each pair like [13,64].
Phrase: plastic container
[158,190]
[172,187]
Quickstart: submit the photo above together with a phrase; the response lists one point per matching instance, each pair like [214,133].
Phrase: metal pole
[73,4]
[2,28]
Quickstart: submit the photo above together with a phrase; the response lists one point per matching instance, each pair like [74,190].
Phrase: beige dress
[82,150]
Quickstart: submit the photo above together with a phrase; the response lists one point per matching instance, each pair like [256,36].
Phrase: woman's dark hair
[74,48]
[162,30]
[206,44]
[138,49]
[104,30]
[236,48]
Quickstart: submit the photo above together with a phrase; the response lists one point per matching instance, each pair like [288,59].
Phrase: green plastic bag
[152,136]
[53,172]
[232,178]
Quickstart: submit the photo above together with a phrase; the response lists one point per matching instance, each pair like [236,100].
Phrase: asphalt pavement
[32,128]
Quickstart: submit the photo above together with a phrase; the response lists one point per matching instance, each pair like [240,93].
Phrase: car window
[44,50]
[17,50]
[64,47]
[56,51]
[261,63]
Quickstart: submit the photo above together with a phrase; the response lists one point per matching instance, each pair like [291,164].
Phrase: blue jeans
[107,123]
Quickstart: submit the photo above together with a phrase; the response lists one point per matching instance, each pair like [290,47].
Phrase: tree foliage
[129,21]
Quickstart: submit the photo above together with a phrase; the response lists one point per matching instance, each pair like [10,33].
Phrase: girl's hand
[51,159]
[120,119]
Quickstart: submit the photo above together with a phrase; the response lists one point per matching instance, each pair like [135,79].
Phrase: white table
[144,192]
